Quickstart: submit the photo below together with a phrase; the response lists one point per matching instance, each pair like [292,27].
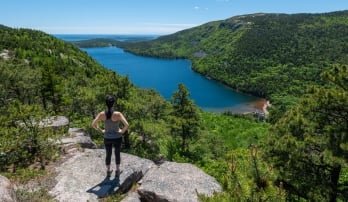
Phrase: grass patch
[113,198]
[40,195]
[23,175]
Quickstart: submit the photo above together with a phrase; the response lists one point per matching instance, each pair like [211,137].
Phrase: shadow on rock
[106,187]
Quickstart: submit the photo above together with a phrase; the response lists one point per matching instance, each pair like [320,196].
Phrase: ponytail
[109,113]
[110,100]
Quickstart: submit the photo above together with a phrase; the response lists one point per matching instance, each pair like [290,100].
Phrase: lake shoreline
[258,106]
[221,98]
[262,105]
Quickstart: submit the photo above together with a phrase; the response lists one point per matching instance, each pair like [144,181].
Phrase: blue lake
[164,75]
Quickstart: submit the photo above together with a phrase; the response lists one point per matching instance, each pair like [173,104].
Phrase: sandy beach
[262,105]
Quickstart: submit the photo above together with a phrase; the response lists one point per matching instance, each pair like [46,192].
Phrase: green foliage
[308,144]
[235,131]
[218,144]
[185,121]
[149,139]
[147,112]
[24,175]
[24,140]
[245,177]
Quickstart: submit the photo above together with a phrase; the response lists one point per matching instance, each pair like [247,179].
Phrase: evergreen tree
[186,119]
[308,145]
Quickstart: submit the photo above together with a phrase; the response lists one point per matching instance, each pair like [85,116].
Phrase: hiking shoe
[118,172]
[108,173]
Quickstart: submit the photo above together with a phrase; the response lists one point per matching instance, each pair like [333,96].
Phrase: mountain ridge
[275,56]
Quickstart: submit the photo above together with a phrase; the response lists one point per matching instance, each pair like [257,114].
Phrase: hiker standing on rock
[112,132]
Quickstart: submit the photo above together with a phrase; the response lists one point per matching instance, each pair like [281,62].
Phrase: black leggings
[108,147]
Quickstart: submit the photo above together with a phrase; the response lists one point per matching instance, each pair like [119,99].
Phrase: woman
[112,133]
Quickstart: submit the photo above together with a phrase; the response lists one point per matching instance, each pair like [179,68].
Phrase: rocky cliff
[82,177]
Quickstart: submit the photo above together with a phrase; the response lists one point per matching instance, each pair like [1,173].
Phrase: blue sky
[142,16]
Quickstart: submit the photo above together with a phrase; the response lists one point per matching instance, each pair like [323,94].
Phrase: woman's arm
[125,123]
[95,122]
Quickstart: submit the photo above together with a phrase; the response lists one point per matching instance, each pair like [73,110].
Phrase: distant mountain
[269,55]
[104,42]
[3,27]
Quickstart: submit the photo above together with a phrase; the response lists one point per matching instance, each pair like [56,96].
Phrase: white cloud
[196,7]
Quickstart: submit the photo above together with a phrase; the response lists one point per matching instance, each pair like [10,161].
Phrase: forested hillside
[41,76]
[269,55]
[301,156]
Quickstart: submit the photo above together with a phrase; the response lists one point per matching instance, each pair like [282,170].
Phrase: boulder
[83,176]
[7,193]
[176,182]
[56,122]
[78,136]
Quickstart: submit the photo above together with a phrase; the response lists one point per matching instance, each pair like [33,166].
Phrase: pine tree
[186,119]
[308,146]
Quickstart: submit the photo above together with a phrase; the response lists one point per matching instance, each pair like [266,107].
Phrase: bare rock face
[176,182]
[83,177]
[7,193]
[78,136]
